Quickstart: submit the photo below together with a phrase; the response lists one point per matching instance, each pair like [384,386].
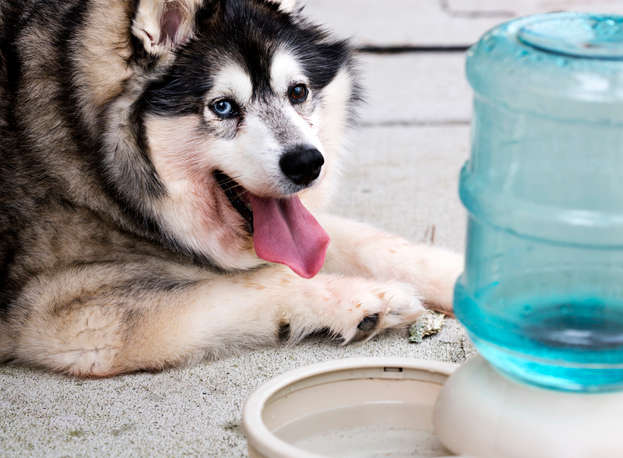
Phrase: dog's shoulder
[32,206]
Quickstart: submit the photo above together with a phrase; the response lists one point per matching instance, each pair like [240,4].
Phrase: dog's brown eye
[298,94]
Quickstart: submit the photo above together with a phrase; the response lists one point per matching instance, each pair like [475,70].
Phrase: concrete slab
[397,23]
[186,412]
[469,8]
[402,179]
[432,22]
[405,180]
[415,88]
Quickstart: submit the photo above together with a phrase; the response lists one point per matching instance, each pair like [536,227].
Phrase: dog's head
[238,108]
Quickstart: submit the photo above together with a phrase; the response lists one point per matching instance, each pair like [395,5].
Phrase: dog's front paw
[366,307]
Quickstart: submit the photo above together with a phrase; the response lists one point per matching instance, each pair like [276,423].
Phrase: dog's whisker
[240,194]
[229,182]
[232,187]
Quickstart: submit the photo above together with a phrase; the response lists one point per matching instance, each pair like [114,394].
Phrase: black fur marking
[150,181]
[8,252]
[234,193]
[153,282]
[284,332]
[10,28]
[180,92]
[72,21]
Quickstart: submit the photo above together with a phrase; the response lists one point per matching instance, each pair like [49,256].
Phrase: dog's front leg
[359,249]
[106,320]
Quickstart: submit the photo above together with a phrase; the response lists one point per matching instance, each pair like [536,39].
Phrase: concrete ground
[407,153]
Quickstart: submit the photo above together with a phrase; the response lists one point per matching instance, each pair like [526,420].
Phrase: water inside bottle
[586,325]
[565,342]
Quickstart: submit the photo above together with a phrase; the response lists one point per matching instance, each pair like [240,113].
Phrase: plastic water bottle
[542,293]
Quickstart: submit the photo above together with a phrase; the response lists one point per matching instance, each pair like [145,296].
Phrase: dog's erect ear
[163,25]
[286,5]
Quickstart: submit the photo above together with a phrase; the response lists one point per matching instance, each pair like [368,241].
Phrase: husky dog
[161,163]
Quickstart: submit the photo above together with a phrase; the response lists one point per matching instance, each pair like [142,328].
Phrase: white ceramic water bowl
[349,408]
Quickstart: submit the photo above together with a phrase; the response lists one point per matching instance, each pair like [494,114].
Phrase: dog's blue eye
[225,108]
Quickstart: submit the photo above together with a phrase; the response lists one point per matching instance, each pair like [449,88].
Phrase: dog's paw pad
[369,323]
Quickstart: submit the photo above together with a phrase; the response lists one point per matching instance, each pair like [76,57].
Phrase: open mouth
[283,230]
[238,197]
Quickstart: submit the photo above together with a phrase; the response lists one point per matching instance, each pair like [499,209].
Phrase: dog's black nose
[302,165]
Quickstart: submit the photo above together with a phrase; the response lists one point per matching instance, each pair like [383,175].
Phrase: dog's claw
[369,323]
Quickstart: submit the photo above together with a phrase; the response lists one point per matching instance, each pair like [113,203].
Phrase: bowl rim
[268,444]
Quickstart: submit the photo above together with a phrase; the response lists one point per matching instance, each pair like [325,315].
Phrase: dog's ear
[164,25]
[286,5]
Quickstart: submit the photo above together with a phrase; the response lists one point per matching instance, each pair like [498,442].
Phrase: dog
[165,166]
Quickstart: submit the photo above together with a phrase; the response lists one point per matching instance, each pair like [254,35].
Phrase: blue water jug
[542,292]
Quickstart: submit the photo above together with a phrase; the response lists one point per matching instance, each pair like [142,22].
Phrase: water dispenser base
[484,414]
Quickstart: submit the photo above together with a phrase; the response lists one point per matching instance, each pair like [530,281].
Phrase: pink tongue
[286,233]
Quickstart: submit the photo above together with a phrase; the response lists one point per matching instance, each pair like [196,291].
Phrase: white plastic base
[483,414]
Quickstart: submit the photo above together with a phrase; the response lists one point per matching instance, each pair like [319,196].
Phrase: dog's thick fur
[118,249]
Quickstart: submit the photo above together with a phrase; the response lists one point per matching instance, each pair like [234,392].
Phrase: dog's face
[251,109]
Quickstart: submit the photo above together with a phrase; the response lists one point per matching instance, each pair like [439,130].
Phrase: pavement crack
[474,14]
[416,123]
[447,9]
[415,49]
